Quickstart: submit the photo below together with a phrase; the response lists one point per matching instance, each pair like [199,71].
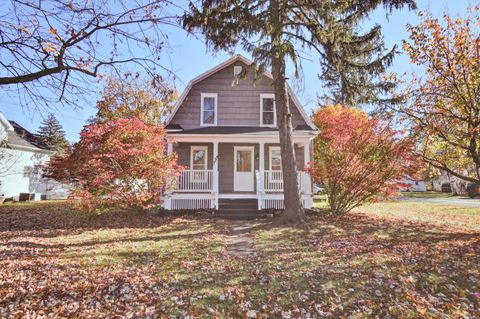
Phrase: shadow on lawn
[52,219]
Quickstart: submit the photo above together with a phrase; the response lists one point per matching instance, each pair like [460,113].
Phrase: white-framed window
[27,171]
[198,162]
[237,69]
[275,157]
[208,111]
[268,116]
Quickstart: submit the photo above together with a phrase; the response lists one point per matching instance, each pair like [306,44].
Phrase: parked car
[318,190]
[473,190]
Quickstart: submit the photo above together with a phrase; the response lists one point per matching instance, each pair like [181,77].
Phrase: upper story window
[208,114]
[268,116]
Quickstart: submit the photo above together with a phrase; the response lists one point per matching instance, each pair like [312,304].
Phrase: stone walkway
[239,240]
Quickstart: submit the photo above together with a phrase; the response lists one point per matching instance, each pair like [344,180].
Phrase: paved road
[458,201]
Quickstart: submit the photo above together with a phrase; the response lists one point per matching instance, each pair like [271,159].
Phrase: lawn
[375,262]
[425,194]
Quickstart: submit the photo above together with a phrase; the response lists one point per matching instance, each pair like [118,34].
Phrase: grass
[425,194]
[392,259]
[430,213]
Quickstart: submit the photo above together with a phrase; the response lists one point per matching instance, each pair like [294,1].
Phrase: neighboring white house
[414,185]
[21,153]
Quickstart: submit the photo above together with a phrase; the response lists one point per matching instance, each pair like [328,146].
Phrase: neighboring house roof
[223,65]
[225,130]
[22,138]
[6,123]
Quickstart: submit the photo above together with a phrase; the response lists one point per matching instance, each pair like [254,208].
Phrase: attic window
[237,70]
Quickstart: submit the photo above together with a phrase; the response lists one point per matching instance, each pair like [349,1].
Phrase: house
[223,130]
[21,155]
[446,182]
[414,185]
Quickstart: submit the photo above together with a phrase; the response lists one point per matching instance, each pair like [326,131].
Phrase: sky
[189,58]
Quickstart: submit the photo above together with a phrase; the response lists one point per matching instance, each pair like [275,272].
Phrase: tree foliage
[353,61]
[51,133]
[359,159]
[49,48]
[135,96]
[122,163]
[444,110]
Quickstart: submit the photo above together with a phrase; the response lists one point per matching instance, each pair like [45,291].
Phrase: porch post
[261,169]
[167,201]
[215,174]
[308,179]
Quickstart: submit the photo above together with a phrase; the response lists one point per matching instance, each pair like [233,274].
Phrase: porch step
[238,205]
[239,208]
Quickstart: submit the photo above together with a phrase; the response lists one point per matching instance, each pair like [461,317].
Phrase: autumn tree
[120,163]
[132,95]
[51,133]
[274,31]
[359,159]
[50,49]
[444,110]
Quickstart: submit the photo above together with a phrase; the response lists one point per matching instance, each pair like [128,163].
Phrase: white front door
[243,175]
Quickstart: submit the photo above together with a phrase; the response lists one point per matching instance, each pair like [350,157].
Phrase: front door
[243,175]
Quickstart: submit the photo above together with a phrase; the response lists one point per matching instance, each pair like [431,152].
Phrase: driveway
[458,201]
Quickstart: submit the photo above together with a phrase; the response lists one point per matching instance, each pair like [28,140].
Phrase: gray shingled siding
[238,103]
[225,160]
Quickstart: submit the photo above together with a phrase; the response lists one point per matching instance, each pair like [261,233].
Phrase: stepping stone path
[239,240]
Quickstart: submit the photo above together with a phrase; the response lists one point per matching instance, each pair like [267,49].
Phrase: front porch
[229,168]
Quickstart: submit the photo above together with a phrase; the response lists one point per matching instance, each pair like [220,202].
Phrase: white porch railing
[195,181]
[273,181]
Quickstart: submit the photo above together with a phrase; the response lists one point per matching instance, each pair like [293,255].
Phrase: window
[237,69]
[198,162]
[208,115]
[27,171]
[275,159]
[267,110]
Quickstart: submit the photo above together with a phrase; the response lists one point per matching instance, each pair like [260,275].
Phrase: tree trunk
[294,212]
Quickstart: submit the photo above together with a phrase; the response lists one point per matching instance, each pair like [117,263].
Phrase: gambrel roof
[221,66]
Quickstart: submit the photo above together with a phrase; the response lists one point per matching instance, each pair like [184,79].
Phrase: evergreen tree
[51,133]
[274,30]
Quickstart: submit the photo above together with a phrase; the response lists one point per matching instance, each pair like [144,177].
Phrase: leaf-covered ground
[55,263]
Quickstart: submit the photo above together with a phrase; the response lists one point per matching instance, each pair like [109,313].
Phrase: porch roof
[226,130]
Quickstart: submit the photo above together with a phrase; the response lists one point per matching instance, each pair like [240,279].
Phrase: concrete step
[240,211]
[238,216]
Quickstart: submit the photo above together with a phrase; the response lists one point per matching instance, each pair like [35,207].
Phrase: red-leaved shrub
[121,163]
[359,159]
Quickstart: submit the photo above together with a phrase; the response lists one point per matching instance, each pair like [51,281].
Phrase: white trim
[29,149]
[237,138]
[252,164]
[268,96]
[202,97]
[223,65]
